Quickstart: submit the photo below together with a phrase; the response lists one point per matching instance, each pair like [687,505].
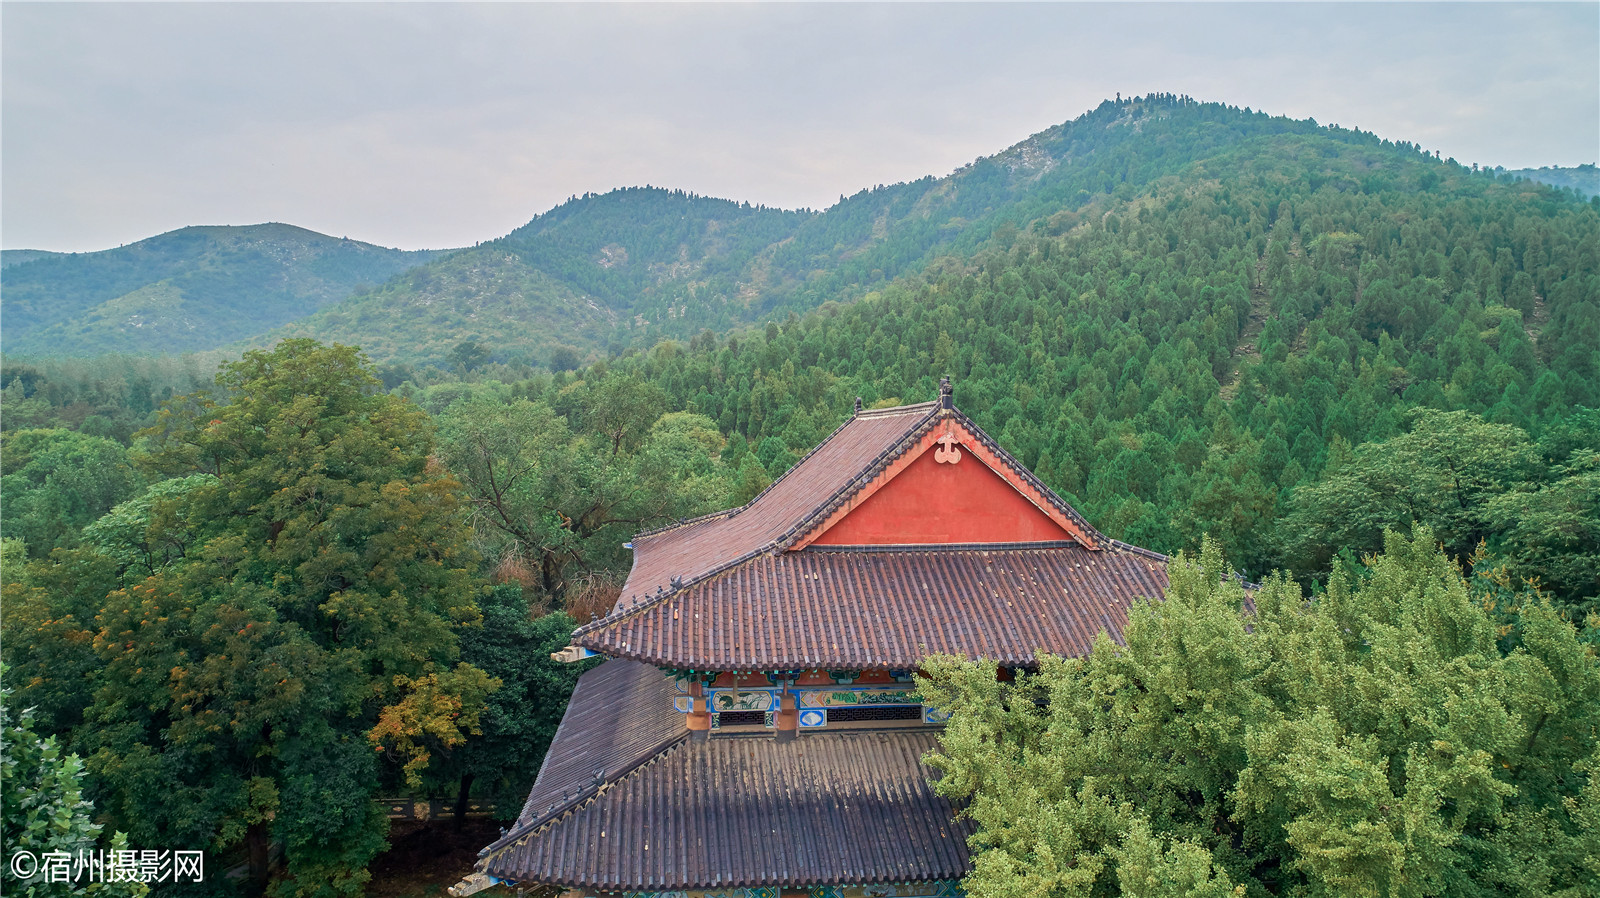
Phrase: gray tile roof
[889,607]
[732,811]
[619,716]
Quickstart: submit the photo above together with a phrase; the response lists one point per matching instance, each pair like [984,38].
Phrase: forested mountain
[635,266]
[603,272]
[192,289]
[1216,354]
[1187,318]
[594,272]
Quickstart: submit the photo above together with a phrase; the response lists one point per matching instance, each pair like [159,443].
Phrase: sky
[423,125]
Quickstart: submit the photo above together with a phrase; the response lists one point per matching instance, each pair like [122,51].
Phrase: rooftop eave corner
[572,654]
[473,884]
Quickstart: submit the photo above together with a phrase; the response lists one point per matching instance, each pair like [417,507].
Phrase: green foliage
[145,534]
[1443,473]
[1471,483]
[308,573]
[110,396]
[42,808]
[55,482]
[521,717]
[559,492]
[1374,740]
[1585,179]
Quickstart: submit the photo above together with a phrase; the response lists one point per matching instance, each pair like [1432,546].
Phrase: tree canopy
[1377,738]
[303,628]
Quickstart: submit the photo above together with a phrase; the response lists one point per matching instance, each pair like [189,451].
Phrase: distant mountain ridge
[630,267]
[12,257]
[601,272]
[1583,178]
[192,289]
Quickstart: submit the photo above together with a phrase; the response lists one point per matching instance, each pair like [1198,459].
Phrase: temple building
[756,730]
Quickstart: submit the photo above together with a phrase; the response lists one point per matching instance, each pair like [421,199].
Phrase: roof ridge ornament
[858,405]
[945,400]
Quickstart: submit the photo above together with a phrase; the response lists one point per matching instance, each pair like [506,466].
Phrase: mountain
[605,272]
[1583,178]
[593,271]
[192,289]
[632,267]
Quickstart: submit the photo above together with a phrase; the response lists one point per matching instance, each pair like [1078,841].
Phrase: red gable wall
[930,503]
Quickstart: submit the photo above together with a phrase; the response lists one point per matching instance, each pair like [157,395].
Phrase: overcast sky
[422,125]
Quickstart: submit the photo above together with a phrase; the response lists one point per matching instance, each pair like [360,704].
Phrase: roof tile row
[889,607]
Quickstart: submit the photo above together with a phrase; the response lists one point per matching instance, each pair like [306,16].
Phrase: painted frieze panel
[737,700]
[829,698]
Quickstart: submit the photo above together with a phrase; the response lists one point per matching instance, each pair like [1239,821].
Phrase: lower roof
[732,811]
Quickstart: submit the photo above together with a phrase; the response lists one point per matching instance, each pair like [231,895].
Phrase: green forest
[281,583]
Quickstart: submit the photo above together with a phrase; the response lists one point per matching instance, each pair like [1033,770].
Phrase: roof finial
[858,405]
[944,393]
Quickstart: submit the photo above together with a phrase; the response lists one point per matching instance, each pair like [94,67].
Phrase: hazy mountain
[1583,178]
[187,290]
[12,257]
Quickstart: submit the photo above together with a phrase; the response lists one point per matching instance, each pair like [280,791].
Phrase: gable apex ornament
[946,452]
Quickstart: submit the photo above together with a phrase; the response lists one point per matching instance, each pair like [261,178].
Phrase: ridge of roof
[1139,550]
[891,411]
[1030,478]
[580,799]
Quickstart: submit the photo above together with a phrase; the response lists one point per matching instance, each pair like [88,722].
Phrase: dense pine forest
[283,583]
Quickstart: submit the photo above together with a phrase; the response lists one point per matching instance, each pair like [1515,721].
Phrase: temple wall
[933,503]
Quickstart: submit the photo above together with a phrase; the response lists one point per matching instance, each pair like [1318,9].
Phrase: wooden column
[787,718]
[699,711]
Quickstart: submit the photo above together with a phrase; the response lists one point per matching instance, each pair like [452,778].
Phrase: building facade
[756,730]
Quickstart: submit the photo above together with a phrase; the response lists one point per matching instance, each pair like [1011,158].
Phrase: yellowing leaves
[438,709]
